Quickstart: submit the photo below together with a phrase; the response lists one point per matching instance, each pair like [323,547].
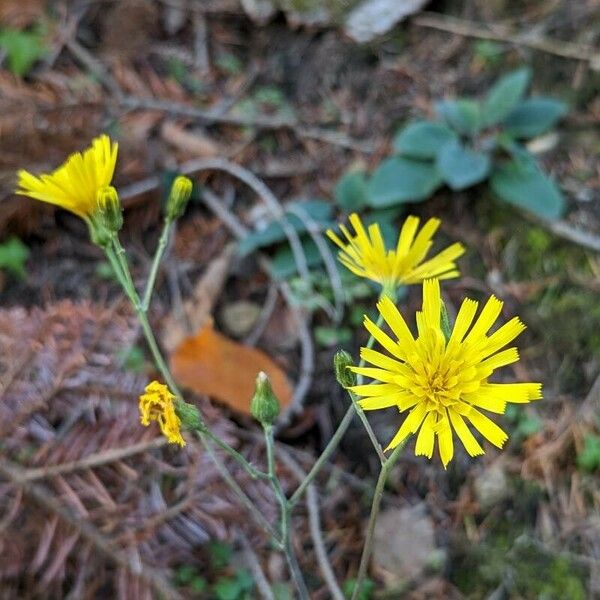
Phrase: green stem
[343,426]
[368,547]
[122,259]
[258,516]
[241,460]
[158,255]
[286,510]
[122,270]
[331,446]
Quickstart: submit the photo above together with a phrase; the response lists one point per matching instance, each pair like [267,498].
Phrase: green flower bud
[110,213]
[264,405]
[181,190]
[189,415]
[341,363]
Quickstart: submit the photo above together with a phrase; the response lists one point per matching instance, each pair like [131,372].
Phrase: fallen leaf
[209,363]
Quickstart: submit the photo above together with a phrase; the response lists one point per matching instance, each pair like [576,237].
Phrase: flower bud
[264,406]
[109,208]
[181,190]
[342,361]
[189,415]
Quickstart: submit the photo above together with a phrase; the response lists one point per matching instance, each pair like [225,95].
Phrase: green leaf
[462,115]
[523,183]
[398,180]
[422,139]
[185,574]
[132,358]
[534,116]
[460,166]
[319,210]
[220,554]
[589,458]
[504,95]
[23,49]
[227,588]
[13,255]
[351,191]
[366,591]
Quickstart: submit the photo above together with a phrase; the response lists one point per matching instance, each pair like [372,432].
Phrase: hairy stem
[285,517]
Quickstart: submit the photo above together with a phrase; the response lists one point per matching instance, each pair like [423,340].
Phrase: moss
[562,312]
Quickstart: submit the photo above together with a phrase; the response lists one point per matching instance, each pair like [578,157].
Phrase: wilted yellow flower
[443,383]
[74,185]
[156,404]
[365,254]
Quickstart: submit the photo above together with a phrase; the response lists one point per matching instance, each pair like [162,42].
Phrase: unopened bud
[264,405]
[109,208]
[189,415]
[342,361]
[181,190]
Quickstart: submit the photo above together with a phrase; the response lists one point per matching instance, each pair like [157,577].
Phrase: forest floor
[297,107]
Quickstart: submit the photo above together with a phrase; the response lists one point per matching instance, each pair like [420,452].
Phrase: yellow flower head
[74,186]
[156,404]
[443,383]
[366,256]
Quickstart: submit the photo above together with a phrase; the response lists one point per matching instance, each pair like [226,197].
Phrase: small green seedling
[13,256]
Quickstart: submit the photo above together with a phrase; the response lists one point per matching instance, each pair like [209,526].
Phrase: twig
[248,504]
[87,531]
[502,34]
[263,319]
[316,533]
[330,266]
[93,460]
[94,66]
[368,547]
[240,231]
[211,116]
[567,231]
[259,577]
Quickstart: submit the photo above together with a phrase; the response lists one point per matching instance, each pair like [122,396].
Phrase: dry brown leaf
[209,363]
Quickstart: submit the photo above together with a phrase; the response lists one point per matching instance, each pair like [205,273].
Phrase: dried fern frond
[87,500]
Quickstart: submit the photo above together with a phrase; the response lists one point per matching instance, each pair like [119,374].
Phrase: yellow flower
[74,185]
[443,383]
[156,404]
[366,256]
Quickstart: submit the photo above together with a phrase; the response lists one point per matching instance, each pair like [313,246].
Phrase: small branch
[565,230]
[87,531]
[368,547]
[316,533]
[502,34]
[324,457]
[261,122]
[244,499]
[93,460]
